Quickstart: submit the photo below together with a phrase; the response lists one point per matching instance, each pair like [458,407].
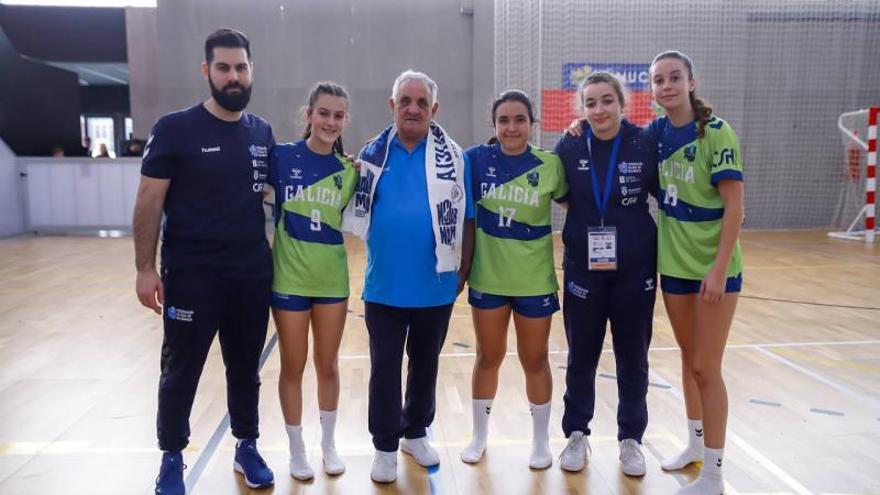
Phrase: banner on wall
[557,105]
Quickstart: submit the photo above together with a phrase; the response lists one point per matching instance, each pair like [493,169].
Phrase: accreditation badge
[602,248]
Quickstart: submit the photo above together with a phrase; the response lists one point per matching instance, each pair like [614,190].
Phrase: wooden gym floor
[79,363]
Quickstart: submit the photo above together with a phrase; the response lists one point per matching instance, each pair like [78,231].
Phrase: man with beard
[205,168]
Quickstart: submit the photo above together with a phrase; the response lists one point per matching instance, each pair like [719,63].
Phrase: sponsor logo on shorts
[576,290]
[628,201]
[180,314]
[649,284]
[212,149]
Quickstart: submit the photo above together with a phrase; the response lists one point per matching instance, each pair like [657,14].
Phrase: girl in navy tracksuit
[610,267]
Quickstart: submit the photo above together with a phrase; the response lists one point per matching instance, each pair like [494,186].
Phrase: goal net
[779,71]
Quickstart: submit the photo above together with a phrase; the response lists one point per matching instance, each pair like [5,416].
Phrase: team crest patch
[337,181]
[690,152]
[457,194]
[533,177]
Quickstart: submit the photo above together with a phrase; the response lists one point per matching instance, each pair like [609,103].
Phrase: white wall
[11,222]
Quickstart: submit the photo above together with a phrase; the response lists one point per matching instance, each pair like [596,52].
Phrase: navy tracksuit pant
[422,331]
[197,307]
[590,300]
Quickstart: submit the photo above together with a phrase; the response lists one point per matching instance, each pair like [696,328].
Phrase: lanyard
[602,201]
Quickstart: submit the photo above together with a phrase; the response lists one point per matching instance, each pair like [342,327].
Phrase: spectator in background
[57,151]
[103,152]
[134,147]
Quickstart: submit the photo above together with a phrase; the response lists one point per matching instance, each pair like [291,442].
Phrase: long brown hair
[702,110]
[326,88]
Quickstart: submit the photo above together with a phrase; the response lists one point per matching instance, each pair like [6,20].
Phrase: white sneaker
[703,486]
[333,465]
[574,455]
[632,461]
[384,467]
[421,451]
[685,458]
[300,468]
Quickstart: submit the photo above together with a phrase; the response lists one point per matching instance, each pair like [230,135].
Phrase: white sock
[541,457]
[332,463]
[694,450]
[695,434]
[712,459]
[480,410]
[299,461]
[710,481]
[328,429]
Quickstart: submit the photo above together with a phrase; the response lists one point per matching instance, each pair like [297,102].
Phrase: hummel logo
[488,410]
[718,463]
[699,432]
[583,164]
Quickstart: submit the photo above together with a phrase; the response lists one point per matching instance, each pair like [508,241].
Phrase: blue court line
[434,485]
[199,467]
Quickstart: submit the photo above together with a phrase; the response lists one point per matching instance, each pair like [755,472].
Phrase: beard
[233,102]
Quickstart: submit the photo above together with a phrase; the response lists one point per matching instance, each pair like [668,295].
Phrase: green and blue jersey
[513,253]
[691,207]
[311,190]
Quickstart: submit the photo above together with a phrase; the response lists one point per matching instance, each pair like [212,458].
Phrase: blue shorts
[529,306]
[683,286]
[290,302]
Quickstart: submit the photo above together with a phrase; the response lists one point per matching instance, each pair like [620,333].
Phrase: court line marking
[661,349]
[435,486]
[871,403]
[211,447]
[740,442]
[205,457]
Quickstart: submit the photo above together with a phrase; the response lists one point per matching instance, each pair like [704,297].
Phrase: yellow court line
[834,363]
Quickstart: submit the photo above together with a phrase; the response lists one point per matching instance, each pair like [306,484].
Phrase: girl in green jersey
[700,262]
[313,182]
[513,271]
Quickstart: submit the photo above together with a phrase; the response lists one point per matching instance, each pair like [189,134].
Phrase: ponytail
[702,114]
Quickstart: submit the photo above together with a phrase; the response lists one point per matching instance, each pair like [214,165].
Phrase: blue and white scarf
[444,170]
